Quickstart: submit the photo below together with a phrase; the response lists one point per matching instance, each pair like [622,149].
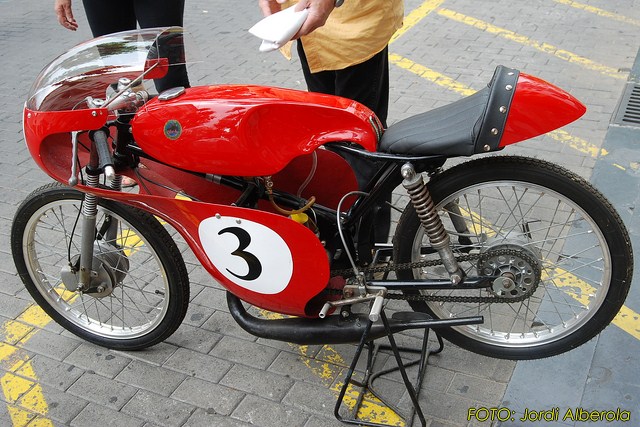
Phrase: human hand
[270,7]
[65,14]
[319,11]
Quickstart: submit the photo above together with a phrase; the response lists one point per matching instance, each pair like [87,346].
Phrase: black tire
[550,215]
[148,291]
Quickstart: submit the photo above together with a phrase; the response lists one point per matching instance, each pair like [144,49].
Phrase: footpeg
[376,307]
[374,314]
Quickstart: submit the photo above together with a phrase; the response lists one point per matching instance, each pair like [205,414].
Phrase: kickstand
[422,322]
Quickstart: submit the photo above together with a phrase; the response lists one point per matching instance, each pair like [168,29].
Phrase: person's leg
[109,16]
[165,13]
[159,13]
[322,82]
[367,83]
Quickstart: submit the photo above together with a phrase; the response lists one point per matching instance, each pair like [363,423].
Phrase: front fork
[88,223]
[430,220]
[88,218]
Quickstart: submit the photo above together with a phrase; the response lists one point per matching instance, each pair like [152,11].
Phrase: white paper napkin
[277,29]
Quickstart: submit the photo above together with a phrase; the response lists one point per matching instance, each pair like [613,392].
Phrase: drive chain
[452,298]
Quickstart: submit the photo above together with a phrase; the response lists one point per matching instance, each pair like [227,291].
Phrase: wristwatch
[339,3]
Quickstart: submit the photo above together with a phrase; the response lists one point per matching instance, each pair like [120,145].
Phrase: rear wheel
[557,239]
[140,289]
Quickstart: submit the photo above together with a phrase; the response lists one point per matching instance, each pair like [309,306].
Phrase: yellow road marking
[629,321]
[26,402]
[430,75]
[416,16]
[371,408]
[578,144]
[626,319]
[541,46]
[600,12]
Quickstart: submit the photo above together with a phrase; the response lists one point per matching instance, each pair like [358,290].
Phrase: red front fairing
[538,107]
[247,130]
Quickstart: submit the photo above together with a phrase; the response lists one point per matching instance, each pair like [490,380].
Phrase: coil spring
[116,183]
[427,213]
[89,206]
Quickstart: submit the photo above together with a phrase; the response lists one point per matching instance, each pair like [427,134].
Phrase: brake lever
[73,179]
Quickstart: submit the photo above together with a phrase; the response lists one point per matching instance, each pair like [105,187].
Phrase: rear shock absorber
[428,215]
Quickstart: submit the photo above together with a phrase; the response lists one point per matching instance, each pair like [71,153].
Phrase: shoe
[128,182]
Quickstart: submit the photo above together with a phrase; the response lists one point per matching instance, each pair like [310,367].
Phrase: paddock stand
[414,321]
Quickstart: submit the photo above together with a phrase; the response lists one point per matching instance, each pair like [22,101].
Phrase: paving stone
[194,338]
[92,412]
[158,409]
[213,398]
[149,377]
[197,315]
[53,404]
[212,298]
[98,360]
[202,418]
[156,355]
[198,365]
[50,372]
[262,412]
[11,307]
[261,383]
[307,369]
[478,389]
[103,391]
[312,398]
[51,345]
[245,352]
[316,421]
[222,322]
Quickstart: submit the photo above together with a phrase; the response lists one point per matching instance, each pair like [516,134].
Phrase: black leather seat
[471,125]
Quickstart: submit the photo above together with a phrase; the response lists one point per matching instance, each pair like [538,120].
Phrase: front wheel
[561,245]
[140,289]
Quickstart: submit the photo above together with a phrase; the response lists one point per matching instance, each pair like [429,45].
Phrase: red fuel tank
[248,130]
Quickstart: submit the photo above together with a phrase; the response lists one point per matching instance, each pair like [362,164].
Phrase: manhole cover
[628,111]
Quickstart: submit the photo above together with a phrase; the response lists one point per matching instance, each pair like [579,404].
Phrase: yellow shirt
[353,33]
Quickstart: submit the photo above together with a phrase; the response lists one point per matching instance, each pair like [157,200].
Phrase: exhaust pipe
[333,329]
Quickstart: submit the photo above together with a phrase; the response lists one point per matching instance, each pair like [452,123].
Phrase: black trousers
[367,83]
[112,16]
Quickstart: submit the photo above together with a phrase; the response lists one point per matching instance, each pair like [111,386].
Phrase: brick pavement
[210,372]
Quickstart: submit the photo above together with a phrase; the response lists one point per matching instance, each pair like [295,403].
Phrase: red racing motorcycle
[279,192]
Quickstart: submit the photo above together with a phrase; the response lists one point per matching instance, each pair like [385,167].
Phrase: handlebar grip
[104,154]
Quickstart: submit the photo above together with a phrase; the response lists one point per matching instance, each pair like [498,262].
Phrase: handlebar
[126,100]
[99,138]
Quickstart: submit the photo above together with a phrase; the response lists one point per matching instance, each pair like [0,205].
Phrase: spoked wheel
[139,288]
[560,254]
